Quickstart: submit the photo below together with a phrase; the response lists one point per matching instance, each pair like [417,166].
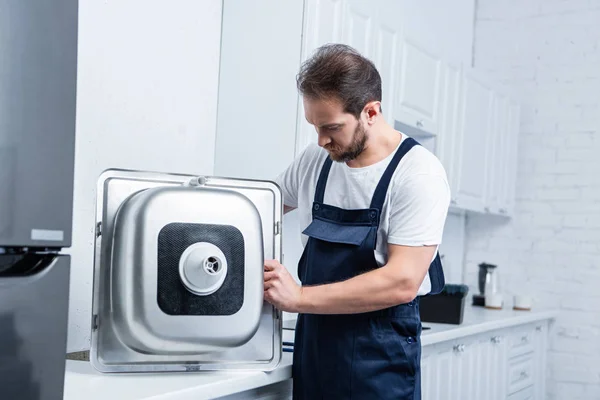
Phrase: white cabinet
[323,23]
[449,134]
[496,154]
[475,124]
[372,29]
[386,51]
[484,160]
[357,26]
[511,159]
[502,155]
[451,109]
[496,365]
[540,344]
[419,87]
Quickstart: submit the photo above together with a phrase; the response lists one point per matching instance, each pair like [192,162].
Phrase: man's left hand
[281,289]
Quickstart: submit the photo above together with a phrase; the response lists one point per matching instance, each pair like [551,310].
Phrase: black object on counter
[446,307]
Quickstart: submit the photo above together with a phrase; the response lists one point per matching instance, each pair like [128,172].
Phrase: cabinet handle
[503,210]
[420,123]
[453,201]
[538,328]
[524,374]
[496,339]
[524,339]
[459,348]
[487,209]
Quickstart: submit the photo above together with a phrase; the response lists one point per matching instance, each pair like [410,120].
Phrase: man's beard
[359,139]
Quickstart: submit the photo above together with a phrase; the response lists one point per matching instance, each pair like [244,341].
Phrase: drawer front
[525,394]
[520,373]
[521,342]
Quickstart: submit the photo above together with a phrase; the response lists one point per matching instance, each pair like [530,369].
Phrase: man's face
[340,133]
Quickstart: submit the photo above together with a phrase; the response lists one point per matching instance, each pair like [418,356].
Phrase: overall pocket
[386,359]
[336,252]
[332,232]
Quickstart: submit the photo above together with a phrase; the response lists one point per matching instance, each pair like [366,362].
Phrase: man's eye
[333,128]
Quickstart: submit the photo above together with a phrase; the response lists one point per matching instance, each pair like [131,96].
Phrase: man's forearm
[373,290]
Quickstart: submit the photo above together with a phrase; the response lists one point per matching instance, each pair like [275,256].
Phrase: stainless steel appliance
[38,74]
[487,282]
[178,277]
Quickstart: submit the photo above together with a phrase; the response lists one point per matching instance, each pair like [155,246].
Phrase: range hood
[178,273]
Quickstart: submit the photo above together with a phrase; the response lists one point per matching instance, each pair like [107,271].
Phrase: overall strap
[322,182]
[384,182]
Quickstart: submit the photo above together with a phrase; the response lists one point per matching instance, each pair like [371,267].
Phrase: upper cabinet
[475,114]
[452,109]
[387,38]
[429,90]
[449,135]
[510,159]
[323,23]
[358,20]
[418,90]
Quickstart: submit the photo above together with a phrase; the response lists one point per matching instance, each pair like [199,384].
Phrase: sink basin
[178,282]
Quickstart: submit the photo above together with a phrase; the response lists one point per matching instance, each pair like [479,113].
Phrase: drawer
[520,373]
[520,342]
[525,394]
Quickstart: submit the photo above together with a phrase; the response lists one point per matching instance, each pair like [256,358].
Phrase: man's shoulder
[420,161]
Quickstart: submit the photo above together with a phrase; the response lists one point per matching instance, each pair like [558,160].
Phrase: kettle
[487,282]
[488,279]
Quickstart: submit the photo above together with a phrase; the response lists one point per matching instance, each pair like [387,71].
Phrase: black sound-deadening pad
[173,298]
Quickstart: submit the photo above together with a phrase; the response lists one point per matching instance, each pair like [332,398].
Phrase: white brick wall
[548,51]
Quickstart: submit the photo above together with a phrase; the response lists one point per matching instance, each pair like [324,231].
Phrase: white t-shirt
[415,207]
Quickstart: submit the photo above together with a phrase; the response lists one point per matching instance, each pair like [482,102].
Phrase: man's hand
[281,289]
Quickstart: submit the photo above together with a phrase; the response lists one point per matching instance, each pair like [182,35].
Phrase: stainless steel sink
[178,281]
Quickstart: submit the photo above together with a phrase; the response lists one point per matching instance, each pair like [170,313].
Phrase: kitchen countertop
[83,381]
[479,319]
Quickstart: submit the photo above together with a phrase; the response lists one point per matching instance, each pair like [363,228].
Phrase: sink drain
[212,265]
[202,268]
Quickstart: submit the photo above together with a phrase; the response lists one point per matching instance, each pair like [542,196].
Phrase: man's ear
[373,111]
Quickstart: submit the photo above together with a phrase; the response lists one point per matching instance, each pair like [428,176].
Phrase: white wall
[260,57]
[549,52]
[452,248]
[147,97]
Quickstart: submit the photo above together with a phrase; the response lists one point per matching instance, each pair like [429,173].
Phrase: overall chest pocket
[350,234]
[337,251]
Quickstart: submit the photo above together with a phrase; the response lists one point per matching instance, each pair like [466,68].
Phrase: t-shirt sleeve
[419,207]
[289,179]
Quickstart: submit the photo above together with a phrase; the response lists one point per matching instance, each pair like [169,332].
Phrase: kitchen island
[493,354]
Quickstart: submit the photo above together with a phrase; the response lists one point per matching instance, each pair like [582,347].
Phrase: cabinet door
[475,115]
[496,154]
[387,37]
[442,374]
[449,136]
[496,368]
[437,372]
[357,26]
[427,376]
[323,23]
[418,91]
[511,159]
[464,369]
[539,358]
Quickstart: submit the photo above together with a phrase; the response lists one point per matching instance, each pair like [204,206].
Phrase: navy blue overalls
[373,355]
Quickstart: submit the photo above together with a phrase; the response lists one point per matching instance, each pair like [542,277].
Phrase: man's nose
[323,140]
